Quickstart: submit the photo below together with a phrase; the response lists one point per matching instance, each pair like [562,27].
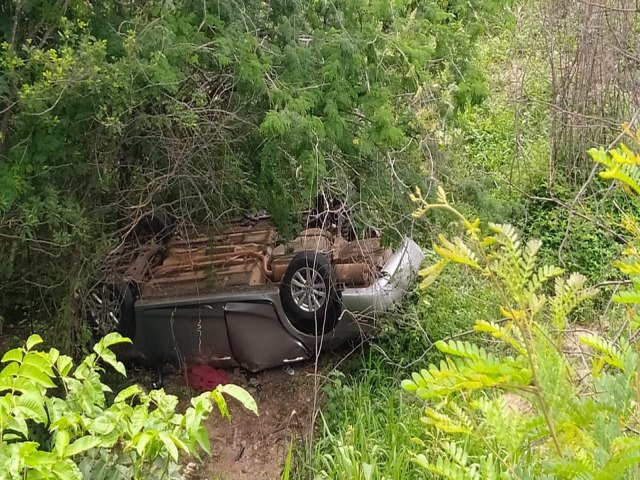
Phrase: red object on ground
[204,377]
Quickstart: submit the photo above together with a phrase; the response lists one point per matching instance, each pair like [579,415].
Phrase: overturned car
[239,295]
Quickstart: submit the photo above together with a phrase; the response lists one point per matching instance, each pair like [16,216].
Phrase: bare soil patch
[250,447]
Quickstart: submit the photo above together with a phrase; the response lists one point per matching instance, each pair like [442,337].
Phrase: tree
[112,109]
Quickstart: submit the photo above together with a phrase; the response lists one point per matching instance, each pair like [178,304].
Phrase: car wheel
[110,308]
[158,223]
[331,214]
[308,293]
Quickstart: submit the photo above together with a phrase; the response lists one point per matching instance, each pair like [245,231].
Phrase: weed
[366,430]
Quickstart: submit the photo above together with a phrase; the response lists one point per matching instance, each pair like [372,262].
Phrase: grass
[366,426]
[368,429]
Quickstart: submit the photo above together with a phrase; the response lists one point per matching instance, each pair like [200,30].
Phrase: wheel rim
[103,307]
[308,289]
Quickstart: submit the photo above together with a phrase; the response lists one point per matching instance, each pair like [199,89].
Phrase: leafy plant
[623,165]
[55,421]
[533,412]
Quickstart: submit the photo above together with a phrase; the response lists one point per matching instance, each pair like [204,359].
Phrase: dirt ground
[250,447]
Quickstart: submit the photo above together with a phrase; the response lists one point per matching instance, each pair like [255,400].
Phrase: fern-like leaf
[530,256]
[608,352]
[628,296]
[464,350]
[569,293]
[500,332]
[447,469]
[542,276]
[456,252]
[628,266]
[472,369]
[444,423]
[431,273]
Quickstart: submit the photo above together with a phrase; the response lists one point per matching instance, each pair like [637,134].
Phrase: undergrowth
[365,427]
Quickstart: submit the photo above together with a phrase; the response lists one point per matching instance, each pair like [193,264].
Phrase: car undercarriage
[240,294]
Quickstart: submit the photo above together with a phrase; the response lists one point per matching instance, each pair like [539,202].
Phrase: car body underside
[239,295]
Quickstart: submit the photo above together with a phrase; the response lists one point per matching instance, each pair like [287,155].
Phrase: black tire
[159,224]
[110,308]
[331,214]
[309,312]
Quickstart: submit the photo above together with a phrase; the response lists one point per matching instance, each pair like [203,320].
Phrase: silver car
[240,296]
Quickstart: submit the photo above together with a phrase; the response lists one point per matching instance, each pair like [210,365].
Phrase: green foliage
[366,431]
[449,307]
[109,110]
[587,248]
[337,111]
[55,421]
[494,153]
[621,165]
[531,408]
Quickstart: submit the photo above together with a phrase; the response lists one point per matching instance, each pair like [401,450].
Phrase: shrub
[55,421]
[587,248]
[535,412]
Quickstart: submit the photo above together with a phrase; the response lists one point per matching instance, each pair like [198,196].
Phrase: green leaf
[37,375]
[7,374]
[128,392]
[628,296]
[81,445]
[241,395]
[67,470]
[409,385]
[18,425]
[109,357]
[32,407]
[102,425]
[610,352]
[113,338]
[14,355]
[430,274]
[39,458]
[53,356]
[64,364]
[202,437]
[33,340]
[39,361]
[180,444]
[221,403]
[142,440]
[137,419]
[170,444]
[62,442]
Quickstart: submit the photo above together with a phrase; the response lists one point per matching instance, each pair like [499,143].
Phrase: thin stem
[528,341]
[526,336]
[522,324]
[538,390]
[445,206]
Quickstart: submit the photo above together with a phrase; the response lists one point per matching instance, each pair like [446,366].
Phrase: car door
[258,338]
[185,333]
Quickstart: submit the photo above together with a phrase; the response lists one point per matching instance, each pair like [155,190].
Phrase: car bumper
[397,275]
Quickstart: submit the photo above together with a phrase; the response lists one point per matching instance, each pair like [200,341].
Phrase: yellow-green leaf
[241,395]
[81,445]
